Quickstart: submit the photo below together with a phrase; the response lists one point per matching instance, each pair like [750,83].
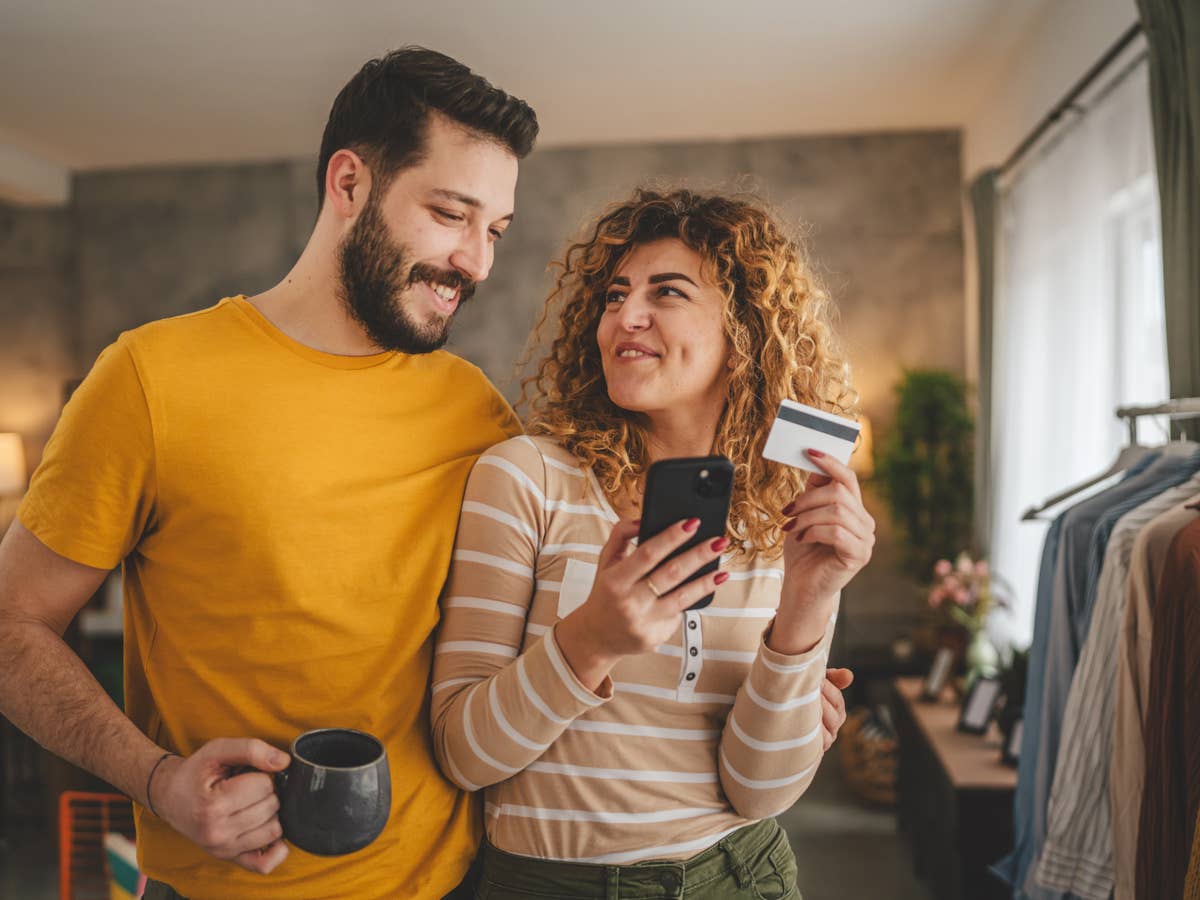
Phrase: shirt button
[692,625]
[691,676]
[693,652]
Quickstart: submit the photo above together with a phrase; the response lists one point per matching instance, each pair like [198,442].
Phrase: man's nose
[473,256]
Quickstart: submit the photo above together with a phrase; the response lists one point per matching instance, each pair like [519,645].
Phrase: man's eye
[496,234]
[449,216]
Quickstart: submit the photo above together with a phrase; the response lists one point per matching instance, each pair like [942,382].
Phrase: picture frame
[979,705]
[939,674]
[1010,753]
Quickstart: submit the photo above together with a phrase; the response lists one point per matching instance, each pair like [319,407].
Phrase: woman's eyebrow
[670,276]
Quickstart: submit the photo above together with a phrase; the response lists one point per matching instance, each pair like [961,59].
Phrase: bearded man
[280,477]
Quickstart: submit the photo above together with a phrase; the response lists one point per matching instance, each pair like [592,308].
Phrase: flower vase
[982,658]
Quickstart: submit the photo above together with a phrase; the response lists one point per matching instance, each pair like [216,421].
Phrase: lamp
[862,462]
[12,465]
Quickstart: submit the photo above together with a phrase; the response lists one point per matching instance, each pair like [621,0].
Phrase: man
[280,477]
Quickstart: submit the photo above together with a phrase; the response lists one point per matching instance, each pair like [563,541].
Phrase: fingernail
[787,510]
[719,544]
[721,578]
[789,525]
[282,759]
[691,525]
[817,453]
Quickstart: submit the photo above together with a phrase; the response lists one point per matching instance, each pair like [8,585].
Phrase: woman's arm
[493,711]
[772,742]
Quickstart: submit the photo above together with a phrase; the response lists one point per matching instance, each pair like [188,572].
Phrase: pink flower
[936,596]
[942,568]
[951,583]
[962,596]
[982,570]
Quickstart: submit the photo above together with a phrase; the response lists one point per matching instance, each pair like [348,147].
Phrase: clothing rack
[1183,408]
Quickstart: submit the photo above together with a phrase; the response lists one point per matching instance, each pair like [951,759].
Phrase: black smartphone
[688,488]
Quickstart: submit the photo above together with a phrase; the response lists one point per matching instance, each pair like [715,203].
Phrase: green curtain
[1173,31]
[983,207]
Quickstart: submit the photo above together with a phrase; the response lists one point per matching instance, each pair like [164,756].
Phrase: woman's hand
[830,536]
[637,597]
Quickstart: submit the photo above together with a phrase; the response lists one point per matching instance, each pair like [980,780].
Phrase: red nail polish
[721,578]
[817,453]
[719,544]
[691,525]
[787,510]
[789,525]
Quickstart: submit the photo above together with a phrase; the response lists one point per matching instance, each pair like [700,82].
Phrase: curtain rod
[1066,103]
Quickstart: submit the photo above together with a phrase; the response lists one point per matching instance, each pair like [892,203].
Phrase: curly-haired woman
[628,745]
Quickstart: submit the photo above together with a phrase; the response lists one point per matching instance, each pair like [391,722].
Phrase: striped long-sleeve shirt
[679,747]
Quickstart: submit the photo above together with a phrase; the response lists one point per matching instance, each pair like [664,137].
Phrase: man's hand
[232,816]
[833,704]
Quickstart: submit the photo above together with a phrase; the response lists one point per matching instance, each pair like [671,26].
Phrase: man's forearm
[48,692]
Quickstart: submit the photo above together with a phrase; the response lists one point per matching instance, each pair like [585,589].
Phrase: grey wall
[882,214]
[38,315]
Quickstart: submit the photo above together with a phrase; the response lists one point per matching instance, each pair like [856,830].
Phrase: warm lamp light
[862,462]
[12,465]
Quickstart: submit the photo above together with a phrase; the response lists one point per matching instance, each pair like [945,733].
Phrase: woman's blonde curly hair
[777,320]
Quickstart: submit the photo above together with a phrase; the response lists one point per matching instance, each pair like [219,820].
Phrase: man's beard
[375,271]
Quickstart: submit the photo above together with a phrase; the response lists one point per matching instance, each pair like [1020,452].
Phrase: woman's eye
[614,297]
[667,290]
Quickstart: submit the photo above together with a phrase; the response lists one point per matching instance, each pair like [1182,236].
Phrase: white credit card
[799,428]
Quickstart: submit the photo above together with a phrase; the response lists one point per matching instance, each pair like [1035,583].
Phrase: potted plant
[925,468]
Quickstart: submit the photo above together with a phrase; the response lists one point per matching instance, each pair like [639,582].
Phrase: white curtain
[1078,321]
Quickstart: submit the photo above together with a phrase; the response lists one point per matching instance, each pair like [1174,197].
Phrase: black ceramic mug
[336,795]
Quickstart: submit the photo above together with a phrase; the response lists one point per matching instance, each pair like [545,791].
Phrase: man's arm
[48,693]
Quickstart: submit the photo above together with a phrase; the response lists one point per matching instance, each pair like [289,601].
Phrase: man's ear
[347,183]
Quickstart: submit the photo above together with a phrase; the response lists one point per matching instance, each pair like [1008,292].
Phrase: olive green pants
[754,862]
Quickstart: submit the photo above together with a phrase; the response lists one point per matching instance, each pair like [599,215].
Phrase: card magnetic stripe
[845,432]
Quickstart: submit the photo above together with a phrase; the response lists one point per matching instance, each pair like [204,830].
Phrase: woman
[627,744]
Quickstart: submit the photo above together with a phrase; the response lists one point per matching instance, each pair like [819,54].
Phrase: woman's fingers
[683,597]
[852,517]
[836,471]
[672,573]
[848,546]
[651,552]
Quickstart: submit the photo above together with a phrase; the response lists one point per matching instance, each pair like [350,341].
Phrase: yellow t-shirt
[286,519]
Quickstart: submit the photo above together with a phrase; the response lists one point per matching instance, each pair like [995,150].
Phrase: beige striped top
[681,746]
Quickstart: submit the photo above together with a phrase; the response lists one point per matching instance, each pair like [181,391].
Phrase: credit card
[798,428]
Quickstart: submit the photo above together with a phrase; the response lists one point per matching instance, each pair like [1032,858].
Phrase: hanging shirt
[1133,689]
[1172,791]
[1077,856]
[1028,818]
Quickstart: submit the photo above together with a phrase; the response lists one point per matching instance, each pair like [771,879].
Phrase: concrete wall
[38,315]
[882,215]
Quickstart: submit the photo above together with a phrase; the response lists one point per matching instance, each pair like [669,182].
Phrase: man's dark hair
[382,113]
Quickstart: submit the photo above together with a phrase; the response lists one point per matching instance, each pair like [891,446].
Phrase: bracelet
[150,780]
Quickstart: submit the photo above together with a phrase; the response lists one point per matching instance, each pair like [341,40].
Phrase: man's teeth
[631,353]
[446,293]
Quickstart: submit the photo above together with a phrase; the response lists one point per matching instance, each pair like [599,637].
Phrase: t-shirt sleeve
[92,497]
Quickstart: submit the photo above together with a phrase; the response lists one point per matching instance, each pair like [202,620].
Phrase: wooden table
[955,797]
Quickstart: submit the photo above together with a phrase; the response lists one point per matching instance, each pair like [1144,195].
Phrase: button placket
[693,651]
